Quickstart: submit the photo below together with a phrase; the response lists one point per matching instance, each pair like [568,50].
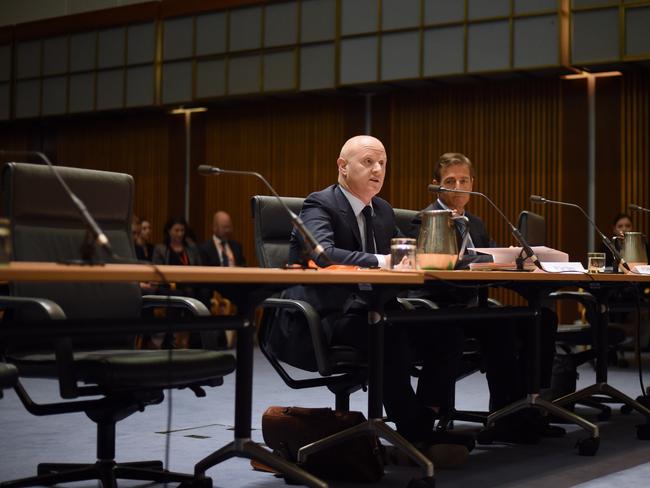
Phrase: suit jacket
[161,254]
[210,255]
[330,218]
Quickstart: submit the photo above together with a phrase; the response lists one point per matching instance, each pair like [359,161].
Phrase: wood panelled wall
[634,180]
[524,136]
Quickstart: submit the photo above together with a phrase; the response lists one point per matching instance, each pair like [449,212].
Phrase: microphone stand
[608,243]
[525,247]
[94,234]
[307,237]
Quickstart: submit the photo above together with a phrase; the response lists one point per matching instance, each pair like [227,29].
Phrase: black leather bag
[287,429]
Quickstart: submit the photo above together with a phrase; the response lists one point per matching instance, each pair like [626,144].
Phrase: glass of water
[596,262]
[402,254]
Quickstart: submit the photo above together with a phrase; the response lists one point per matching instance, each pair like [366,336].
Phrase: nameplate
[643,269]
[568,267]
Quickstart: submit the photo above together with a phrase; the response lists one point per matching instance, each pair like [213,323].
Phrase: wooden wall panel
[635,148]
[137,144]
[294,144]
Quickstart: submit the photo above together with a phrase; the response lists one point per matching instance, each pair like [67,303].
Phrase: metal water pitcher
[437,247]
[632,247]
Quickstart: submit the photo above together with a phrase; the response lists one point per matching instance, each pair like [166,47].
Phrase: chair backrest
[273,228]
[45,226]
[533,227]
[404,220]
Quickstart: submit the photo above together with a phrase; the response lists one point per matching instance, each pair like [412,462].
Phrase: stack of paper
[508,255]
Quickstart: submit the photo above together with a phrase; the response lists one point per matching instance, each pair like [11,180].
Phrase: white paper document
[643,269]
[563,267]
[510,254]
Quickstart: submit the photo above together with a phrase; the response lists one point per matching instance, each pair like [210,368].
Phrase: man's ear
[343,166]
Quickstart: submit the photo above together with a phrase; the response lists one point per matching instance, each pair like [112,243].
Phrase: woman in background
[176,249]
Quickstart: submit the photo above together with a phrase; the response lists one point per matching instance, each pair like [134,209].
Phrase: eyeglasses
[454,183]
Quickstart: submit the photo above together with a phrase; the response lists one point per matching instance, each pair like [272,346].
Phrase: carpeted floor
[201,425]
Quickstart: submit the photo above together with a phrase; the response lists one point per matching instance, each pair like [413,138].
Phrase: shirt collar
[356,204]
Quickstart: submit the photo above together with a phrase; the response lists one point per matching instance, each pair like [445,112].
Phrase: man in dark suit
[355,227]
[504,370]
[220,249]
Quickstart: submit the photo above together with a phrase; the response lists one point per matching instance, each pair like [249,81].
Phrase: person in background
[221,249]
[143,249]
[176,249]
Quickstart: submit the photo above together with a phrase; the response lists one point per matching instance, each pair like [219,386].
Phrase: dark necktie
[224,254]
[463,229]
[370,240]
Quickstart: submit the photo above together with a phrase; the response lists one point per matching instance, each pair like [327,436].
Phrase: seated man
[505,369]
[355,227]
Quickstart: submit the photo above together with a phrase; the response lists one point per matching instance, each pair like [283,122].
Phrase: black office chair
[533,227]
[8,376]
[341,369]
[120,380]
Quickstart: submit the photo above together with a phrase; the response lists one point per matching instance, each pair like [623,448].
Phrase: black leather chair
[8,376]
[91,363]
[342,369]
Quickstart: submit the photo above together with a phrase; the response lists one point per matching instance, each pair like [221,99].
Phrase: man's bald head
[222,225]
[362,166]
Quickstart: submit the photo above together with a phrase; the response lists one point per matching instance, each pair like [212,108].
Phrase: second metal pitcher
[633,247]
[437,247]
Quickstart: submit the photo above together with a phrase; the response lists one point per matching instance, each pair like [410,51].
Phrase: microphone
[308,237]
[608,243]
[515,232]
[97,233]
[632,206]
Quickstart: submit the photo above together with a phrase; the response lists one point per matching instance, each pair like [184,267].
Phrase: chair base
[375,427]
[629,403]
[107,473]
[588,446]
[246,448]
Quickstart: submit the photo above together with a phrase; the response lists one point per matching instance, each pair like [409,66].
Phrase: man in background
[220,249]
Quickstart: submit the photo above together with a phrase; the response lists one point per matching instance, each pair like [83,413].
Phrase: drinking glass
[402,254]
[596,262]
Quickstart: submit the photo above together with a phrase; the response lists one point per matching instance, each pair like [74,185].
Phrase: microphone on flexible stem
[515,232]
[633,206]
[608,243]
[95,231]
[308,237]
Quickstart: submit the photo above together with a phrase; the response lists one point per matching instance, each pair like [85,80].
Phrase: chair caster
[485,436]
[426,482]
[605,414]
[204,482]
[643,432]
[589,446]
[626,410]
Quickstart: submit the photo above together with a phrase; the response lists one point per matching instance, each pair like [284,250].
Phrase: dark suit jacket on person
[210,255]
[330,218]
[161,254]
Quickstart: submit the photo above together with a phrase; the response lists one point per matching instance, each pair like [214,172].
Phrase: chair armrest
[50,308]
[415,303]
[192,304]
[585,298]
[318,339]
[209,339]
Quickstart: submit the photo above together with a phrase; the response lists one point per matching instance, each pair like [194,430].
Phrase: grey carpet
[201,425]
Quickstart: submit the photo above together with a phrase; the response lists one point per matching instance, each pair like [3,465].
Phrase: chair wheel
[626,410]
[589,446]
[485,436]
[426,482]
[643,432]
[605,414]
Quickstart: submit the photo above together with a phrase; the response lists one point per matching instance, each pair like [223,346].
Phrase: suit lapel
[347,214]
